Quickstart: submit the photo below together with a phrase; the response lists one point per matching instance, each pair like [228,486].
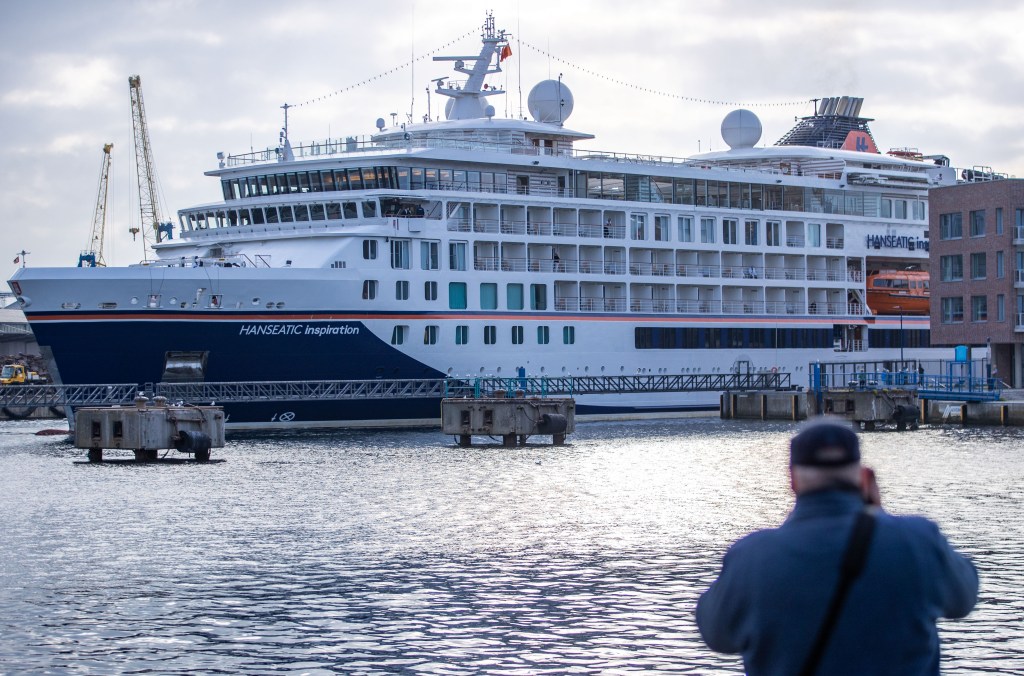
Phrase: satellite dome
[741,129]
[450,104]
[550,101]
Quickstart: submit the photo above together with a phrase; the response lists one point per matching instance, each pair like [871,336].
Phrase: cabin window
[402,290]
[538,296]
[369,249]
[543,335]
[488,296]
[370,209]
[814,234]
[461,334]
[457,256]
[430,290]
[490,335]
[333,211]
[514,296]
[369,289]
[729,228]
[429,255]
[661,229]
[399,334]
[456,295]
[750,232]
[637,225]
[684,225]
[517,335]
[349,210]
[707,230]
[569,335]
[400,253]
[430,335]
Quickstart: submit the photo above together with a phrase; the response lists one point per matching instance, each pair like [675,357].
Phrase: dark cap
[825,444]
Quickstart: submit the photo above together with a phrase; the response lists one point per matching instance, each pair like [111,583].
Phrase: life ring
[775,369]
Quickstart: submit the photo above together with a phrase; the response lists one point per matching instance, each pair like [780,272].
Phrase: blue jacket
[775,585]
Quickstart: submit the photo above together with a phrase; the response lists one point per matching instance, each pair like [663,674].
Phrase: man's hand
[869,487]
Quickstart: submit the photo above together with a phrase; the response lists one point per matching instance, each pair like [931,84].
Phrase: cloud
[65,81]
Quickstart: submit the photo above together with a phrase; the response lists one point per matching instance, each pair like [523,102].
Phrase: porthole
[174,301]
[280,304]
[255,301]
[135,300]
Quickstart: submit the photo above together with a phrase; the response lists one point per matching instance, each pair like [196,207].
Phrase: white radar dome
[550,101]
[450,103]
[741,129]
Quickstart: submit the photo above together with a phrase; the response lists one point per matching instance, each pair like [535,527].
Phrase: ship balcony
[835,243]
[795,242]
[602,304]
[655,269]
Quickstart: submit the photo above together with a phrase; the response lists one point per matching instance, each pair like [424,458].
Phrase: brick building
[976,261]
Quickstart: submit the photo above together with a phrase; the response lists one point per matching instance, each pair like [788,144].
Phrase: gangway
[331,390]
[954,381]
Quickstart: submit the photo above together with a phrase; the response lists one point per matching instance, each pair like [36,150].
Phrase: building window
[402,290]
[999,220]
[399,334]
[952,310]
[569,335]
[369,249]
[430,291]
[771,233]
[538,296]
[543,335]
[461,334]
[707,230]
[979,308]
[488,296]
[750,233]
[456,295]
[978,265]
[637,225]
[951,268]
[514,296]
[684,224]
[400,254]
[978,223]
[1000,308]
[429,256]
[729,227]
[490,335]
[662,233]
[517,335]
[369,289]
[951,226]
[457,256]
[1000,265]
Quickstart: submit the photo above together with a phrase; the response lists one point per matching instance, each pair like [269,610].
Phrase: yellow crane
[151,224]
[92,255]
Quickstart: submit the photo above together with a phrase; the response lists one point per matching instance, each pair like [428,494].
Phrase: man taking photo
[841,587]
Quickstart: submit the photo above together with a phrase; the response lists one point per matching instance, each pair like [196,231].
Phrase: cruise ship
[480,246]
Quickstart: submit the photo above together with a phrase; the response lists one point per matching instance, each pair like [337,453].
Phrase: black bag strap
[852,565]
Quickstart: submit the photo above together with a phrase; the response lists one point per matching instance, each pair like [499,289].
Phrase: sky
[654,78]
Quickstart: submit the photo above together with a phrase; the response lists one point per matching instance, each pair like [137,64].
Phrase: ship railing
[794,241]
[553,265]
[486,263]
[854,276]
[488,225]
[598,231]
[742,307]
[459,225]
[826,275]
[567,303]
[509,264]
[590,267]
[702,307]
[651,305]
[513,227]
[538,228]
[834,243]
[564,229]
[615,267]
[743,272]
[778,307]
[26,396]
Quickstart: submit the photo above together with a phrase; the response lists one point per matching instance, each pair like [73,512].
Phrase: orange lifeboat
[893,292]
